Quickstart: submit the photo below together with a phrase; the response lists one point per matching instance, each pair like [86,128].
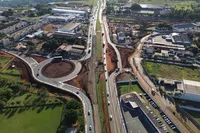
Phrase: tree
[194,50]
[50,45]
[72,104]
[136,7]
[70,117]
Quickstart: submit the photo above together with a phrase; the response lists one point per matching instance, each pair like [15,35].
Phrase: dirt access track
[57,69]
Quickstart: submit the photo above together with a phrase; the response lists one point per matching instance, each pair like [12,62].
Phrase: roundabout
[58,69]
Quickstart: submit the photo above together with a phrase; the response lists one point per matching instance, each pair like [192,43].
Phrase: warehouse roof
[191,86]
[180,38]
[70,26]
[69,11]
[186,25]
[151,6]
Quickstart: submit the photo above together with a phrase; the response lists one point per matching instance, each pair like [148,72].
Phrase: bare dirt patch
[125,53]
[3,54]
[57,69]
[125,76]
[25,71]
[38,58]
[111,59]
[81,81]
[51,27]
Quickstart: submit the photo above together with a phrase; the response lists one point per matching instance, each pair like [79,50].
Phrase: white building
[188,90]
[60,18]
[68,12]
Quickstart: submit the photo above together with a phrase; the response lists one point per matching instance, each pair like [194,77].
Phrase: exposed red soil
[25,71]
[111,58]
[5,54]
[81,81]
[125,53]
[38,58]
[57,69]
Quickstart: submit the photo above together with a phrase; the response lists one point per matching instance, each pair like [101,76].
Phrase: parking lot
[162,124]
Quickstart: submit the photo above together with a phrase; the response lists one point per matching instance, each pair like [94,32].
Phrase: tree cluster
[72,112]
[42,9]
[7,13]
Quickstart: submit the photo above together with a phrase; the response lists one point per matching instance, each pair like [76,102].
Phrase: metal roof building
[65,11]
[179,38]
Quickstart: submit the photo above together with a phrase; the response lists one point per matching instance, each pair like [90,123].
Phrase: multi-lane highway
[91,32]
[116,119]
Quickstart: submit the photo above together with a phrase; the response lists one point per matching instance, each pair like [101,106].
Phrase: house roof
[121,34]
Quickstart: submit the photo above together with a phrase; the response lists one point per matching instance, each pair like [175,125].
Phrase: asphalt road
[117,122]
[71,89]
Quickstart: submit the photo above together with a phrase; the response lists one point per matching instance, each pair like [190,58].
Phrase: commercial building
[184,27]
[69,30]
[72,50]
[153,7]
[188,90]
[60,18]
[69,12]
[70,27]
[136,117]
[179,38]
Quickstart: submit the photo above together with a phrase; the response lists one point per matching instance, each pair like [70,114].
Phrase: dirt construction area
[125,53]
[57,69]
[38,58]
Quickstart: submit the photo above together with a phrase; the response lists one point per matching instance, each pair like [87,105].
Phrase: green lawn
[171,71]
[134,87]
[30,121]
[26,98]
[11,74]
[4,60]
[195,115]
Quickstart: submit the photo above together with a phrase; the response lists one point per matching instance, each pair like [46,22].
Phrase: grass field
[30,121]
[134,87]
[11,74]
[3,61]
[26,98]
[171,71]
[195,115]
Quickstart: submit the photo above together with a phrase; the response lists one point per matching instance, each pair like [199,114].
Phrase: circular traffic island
[58,68]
